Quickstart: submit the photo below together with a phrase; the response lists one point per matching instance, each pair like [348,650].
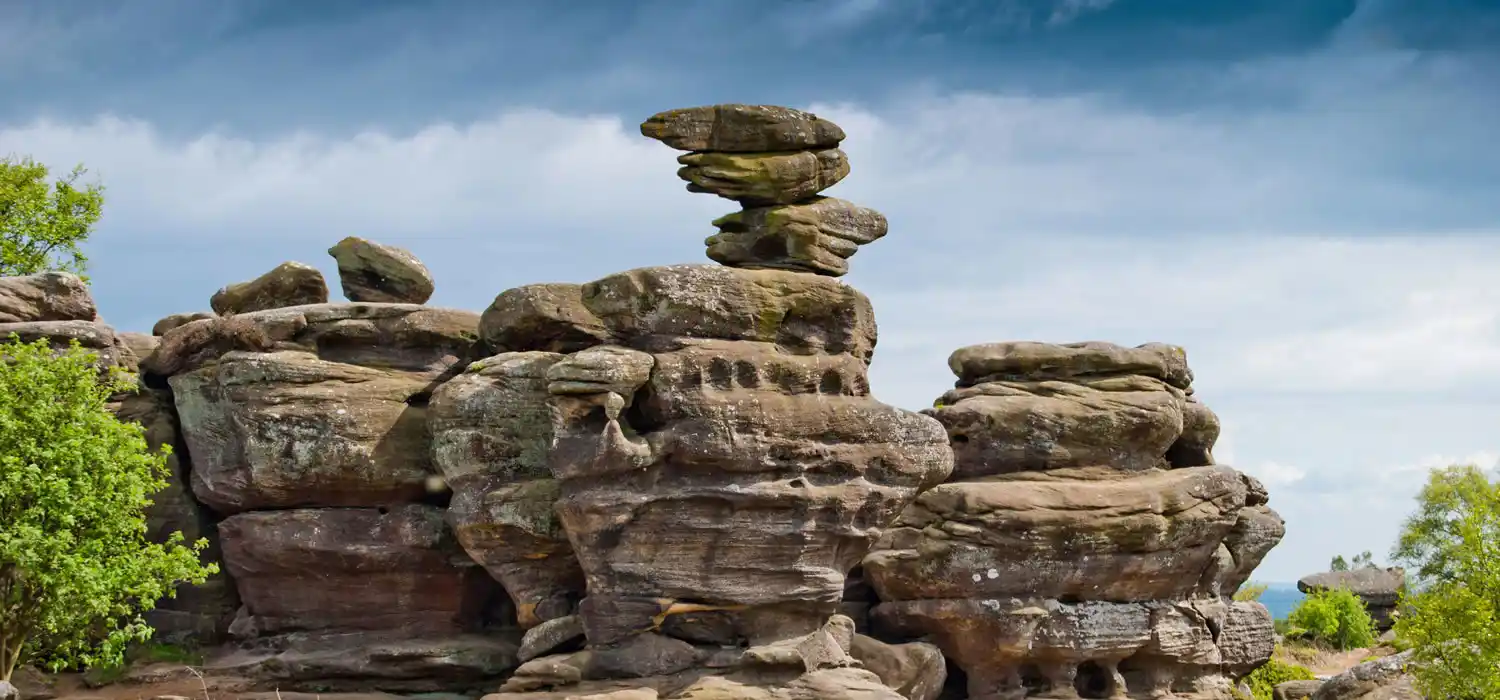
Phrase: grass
[148,653]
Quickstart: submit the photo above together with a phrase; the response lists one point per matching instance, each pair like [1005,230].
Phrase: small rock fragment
[373,272]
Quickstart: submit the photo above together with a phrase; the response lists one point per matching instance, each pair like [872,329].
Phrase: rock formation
[718,462]
[1379,589]
[1087,545]
[370,271]
[674,482]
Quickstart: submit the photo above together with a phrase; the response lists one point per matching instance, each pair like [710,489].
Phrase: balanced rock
[491,432]
[46,296]
[724,465]
[373,272]
[761,179]
[289,284]
[736,128]
[818,236]
[1379,589]
[1069,556]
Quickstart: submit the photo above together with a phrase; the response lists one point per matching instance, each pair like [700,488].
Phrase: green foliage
[1334,617]
[1250,591]
[1338,563]
[42,224]
[76,570]
[1452,625]
[1363,560]
[1263,680]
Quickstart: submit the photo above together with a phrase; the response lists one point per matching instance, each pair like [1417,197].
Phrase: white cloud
[1059,219]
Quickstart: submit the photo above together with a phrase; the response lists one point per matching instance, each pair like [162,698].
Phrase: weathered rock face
[373,272]
[540,317]
[1087,545]
[320,405]
[751,469]
[167,323]
[491,432]
[1379,589]
[289,284]
[1380,679]
[394,569]
[307,426]
[735,128]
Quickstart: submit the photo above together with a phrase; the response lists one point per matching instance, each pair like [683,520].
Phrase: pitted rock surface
[491,431]
[818,235]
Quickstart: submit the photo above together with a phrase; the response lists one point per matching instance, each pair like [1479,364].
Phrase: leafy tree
[1334,617]
[1338,563]
[1363,560]
[1452,622]
[42,224]
[76,570]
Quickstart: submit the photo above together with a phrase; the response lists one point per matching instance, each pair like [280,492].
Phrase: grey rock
[374,272]
[742,128]
[46,296]
[288,284]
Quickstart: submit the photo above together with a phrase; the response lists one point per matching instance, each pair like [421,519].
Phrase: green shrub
[1263,680]
[1336,618]
[1250,591]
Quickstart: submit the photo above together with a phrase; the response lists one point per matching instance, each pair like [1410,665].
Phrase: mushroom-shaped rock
[288,284]
[375,272]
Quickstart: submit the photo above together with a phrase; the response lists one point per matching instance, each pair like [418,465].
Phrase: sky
[1305,194]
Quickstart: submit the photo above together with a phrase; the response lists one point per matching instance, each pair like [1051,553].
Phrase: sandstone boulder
[543,317]
[318,405]
[736,128]
[372,569]
[763,179]
[46,296]
[1381,679]
[491,431]
[1104,537]
[817,235]
[373,272]
[288,284]
[91,336]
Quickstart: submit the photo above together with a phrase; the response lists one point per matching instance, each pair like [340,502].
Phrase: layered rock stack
[719,460]
[1087,545]
[306,425]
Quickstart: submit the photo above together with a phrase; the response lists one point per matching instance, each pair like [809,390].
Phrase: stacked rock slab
[721,464]
[1087,545]
[307,429]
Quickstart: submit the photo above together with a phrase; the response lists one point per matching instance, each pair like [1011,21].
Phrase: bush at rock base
[1334,617]
[75,567]
[1263,680]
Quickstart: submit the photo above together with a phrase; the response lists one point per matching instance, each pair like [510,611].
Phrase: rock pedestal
[1086,545]
[720,463]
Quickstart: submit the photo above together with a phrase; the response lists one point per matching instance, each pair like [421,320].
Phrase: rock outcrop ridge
[674,481]
[1087,545]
